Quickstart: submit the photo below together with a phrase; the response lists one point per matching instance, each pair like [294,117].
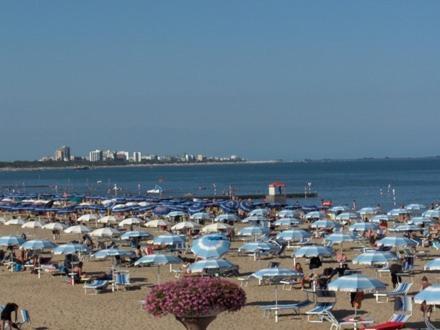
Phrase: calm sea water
[367,182]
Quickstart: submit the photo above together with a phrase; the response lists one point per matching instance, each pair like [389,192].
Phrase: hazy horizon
[285,80]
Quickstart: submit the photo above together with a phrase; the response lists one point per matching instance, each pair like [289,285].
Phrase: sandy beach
[55,304]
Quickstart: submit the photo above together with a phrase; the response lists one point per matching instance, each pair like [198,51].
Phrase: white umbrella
[156,223]
[108,219]
[79,229]
[130,222]
[54,226]
[14,222]
[87,218]
[105,232]
[215,227]
[185,225]
[32,225]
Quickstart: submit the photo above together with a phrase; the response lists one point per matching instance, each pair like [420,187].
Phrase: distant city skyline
[287,80]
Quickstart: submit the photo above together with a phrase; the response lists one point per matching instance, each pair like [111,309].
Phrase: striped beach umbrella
[324,224]
[202,265]
[226,217]
[253,231]
[135,234]
[363,226]
[112,252]
[275,273]
[298,235]
[313,251]
[406,228]
[70,248]
[356,282]
[253,247]
[11,241]
[338,238]
[433,264]
[157,260]
[430,295]
[374,258]
[396,241]
[287,222]
[87,218]
[38,245]
[170,240]
[210,246]
[199,216]
[381,217]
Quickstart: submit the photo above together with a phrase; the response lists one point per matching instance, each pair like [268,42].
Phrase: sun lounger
[25,318]
[96,285]
[343,324]
[295,307]
[399,318]
[317,314]
[122,280]
[401,289]
[429,325]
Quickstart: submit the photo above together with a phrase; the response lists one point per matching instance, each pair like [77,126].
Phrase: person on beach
[6,316]
[356,299]
[425,308]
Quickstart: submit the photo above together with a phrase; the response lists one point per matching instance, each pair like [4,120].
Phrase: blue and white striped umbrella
[338,238]
[397,212]
[381,217]
[253,247]
[253,231]
[374,258]
[416,207]
[433,264]
[37,245]
[396,241]
[174,214]
[202,265]
[210,246]
[259,213]
[287,222]
[294,235]
[338,208]
[418,221]
[431,295]
[175,240]
[365,211]
[324,224]
[227,217]
[11,241]
[363,226]
[201,216]
[70,248]
[157,260]
[347,216]
[431,214]
[135,234]
[254,218]
[356,282]
[313,251]
[314,215]
[286,214]
[405,228]
[112,252]
[275,273]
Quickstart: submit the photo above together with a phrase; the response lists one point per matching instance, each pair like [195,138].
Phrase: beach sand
[54,304]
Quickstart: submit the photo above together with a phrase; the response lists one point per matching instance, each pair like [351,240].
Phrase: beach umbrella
[54,226]
[215,228]
[173,240]
[78,229]
[156,223]
[324,224]
[435,214]
[108,219]
[202,265]
[246,206]
[363,226]
[339,208]
[253,247]
[130,222]
[157,260]
[185,225]
[227,217]
[32,225]
[369,211]
[135,234]
[314,215]
[406,228]
[430,295]
[356,282]
[396,241]
[38,245]
[419,221]
[313,251]
[433,264]
[210,246]
[374,258]
[416,208]
[254,218]
[398,212]
[253,231]
[347,216]
[275,273]
[380,217]
[229,206]
[298,235]
[339,238]
[112,252]
[174,214]
[70,248]
[201,216]
[287,222]
[259,213]
[87,218]
[14,222]
[105,232]
[11,241]
[286,214]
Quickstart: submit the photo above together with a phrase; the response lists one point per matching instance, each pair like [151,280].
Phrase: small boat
[157,190]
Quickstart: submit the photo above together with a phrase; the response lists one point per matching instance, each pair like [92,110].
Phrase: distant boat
[157,190]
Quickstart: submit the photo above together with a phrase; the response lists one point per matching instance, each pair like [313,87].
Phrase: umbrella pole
[158,274]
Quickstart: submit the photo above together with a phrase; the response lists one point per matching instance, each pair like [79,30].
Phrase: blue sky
[263,79]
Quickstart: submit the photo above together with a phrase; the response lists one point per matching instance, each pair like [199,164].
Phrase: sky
[262,79]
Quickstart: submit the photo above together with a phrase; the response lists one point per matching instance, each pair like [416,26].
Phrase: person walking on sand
[6,316]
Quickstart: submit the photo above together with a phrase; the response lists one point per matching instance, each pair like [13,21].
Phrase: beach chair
[385,269]
[121,280]
[318,312]
[295,307]
[96,285]
[401,289]
[429,325]
[25,318]
[399,318]
[337,324]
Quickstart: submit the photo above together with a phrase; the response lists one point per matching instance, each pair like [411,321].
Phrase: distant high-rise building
[200,158]
[108,155]
[95,156]
[62,154]
[122,155]
[137,157]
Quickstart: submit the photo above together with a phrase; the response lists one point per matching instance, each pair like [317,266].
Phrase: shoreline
[92,167]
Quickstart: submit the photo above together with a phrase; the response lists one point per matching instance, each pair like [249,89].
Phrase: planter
[196,322]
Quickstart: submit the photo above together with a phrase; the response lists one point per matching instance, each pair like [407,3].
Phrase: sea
[388,182]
